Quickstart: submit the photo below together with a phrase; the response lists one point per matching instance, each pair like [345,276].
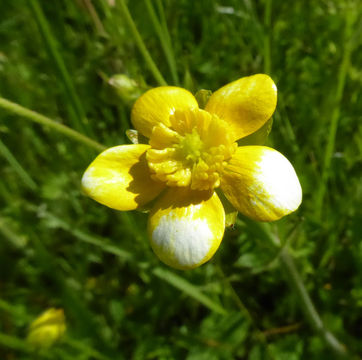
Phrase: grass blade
[351,17]
[43,120]
[5,152]
[166,45]
[188,288]
[52,46]
[164,274]
[141,45]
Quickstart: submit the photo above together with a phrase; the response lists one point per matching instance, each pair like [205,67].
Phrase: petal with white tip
[186,227]
[261,183]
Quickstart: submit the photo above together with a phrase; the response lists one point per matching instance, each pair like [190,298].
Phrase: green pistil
[191,146]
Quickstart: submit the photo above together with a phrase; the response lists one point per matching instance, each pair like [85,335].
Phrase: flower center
[192,151]
[191,146]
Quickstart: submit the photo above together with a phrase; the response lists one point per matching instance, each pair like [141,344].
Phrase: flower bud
[126,88]
[202,97]
[47,328]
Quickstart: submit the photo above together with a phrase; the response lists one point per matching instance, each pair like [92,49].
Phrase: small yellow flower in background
[46,329]
[190,153]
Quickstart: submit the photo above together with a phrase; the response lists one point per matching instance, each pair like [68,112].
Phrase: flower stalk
[296,284]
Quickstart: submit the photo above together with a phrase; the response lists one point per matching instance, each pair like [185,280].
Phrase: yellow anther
[192,152]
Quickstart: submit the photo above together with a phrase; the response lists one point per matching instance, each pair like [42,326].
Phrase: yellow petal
[119,178]
[245,104]
[261,183]
[186,227]
[156,105]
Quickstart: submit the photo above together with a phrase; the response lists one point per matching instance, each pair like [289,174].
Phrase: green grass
[61,249]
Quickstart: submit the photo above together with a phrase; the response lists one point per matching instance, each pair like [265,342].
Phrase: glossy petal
[156,105]
[245,104]
[119,178]
[261,183]
[186,227]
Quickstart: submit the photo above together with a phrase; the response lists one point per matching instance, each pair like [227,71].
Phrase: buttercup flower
[190,153]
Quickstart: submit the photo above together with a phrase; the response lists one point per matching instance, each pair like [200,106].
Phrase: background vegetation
[61,249]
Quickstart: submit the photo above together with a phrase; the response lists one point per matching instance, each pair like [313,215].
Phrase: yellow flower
[190,153]
[47,328]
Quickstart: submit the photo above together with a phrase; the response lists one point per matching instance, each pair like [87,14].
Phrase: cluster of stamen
[192,151]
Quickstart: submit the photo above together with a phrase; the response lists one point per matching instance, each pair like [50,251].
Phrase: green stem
[239,303]
[296,284]
[350,19]
[183,285]
[309,310]
[166,45]
[96,20]
[45,121]
[52,46]
[267,32]
[141,45]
